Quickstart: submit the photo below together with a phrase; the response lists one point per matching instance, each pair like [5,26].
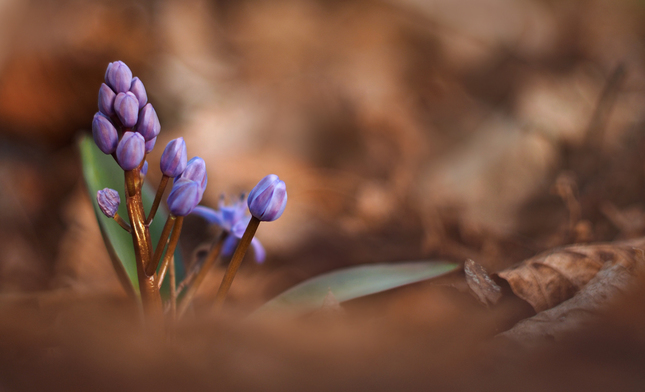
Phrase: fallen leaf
[551,278]
[614,278]
[481,284]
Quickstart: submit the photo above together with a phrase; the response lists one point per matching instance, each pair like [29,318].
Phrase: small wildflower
[196,171]
[232,219]
[108,200]
[105,135]
[126,107]
[118,76]
[148,123]
[137,88]
[106,100]
[184,197]
[268,199]
[130,151]
[173,160]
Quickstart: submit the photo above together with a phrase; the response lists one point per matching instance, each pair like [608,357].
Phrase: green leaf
[101,171]
[354,282]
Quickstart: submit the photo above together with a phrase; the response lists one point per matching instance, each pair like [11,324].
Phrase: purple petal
[230,243]
[211,216]
[106,100]
[126,107]
[258,251]
[239,228]
[264,183]
[137,88]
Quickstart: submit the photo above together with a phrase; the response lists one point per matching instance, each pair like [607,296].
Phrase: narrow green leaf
[101,171]
[354,282]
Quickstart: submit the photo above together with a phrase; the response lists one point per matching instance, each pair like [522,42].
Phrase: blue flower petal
[230,243]
[240,227]
[258,250]
[211,216]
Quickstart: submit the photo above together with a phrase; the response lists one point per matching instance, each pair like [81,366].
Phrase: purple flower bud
[130,150]
[139,91]
[173,159]
[148,124]
[105,135]
[196,171]
[184,197]
[144,169]
[150,144]
[109,201]
[106,100]
[118,76]
[268,199]
[107,71]
[126,107]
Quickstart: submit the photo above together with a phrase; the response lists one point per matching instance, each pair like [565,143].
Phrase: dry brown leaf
[480,283]
[614,278]
[551,278]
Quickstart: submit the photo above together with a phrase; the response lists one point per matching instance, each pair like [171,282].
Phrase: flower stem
[212,256]
[235,263]
[142,243]
[170,252]
[161,245]
[155,204]
[122,223]
[173,289]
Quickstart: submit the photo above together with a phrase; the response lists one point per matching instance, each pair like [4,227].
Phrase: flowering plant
[126,127]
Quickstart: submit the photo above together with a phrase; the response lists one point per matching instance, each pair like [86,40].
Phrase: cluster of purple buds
[125,123]
[126,126]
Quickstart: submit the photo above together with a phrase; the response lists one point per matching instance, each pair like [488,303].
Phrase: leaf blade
[354,282]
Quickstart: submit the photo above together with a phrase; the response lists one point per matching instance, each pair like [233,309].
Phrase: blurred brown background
[404,129]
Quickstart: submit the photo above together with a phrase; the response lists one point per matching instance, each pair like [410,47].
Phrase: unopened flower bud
[109,201]
[105,135]
[139,91]
[106,100]
[196,171]
[184,197]
[148,124]
[126,107]
[118,76]
[130,150]
[144,169]
[173,159]
[268,199]
[150,144]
